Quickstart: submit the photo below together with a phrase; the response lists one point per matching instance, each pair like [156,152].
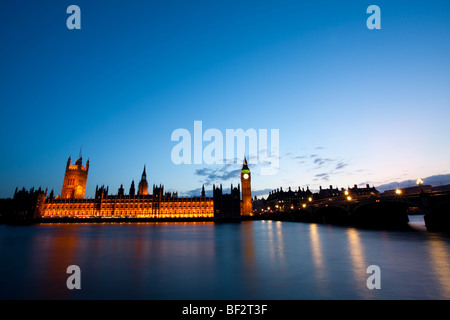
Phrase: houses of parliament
[139,202]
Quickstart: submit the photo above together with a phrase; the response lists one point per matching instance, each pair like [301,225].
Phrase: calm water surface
[248,260]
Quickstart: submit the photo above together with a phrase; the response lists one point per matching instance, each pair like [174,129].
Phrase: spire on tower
[245,166]
[143,185]
[132,189]
[144,174]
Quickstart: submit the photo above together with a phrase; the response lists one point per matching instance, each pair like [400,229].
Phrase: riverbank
[110,220]
[418,223]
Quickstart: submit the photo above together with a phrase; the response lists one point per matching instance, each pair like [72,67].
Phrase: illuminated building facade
[366,192]
[281,200]
[142,204]
[75,178]
[138,206]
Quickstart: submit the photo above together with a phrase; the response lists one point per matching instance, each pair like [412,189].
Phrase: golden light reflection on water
[358,262]
[275,240]
[52,254]
[270,235]
[316,248]
[64,245]
[247,243]
[280,243]
[441,265]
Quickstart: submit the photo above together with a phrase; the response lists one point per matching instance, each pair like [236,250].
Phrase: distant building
[25,205]
[329,193]
[366,192]
[227,206]
[259,205]
[280,200]
[355,192]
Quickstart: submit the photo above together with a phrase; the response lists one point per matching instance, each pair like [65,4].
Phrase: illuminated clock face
[246,175]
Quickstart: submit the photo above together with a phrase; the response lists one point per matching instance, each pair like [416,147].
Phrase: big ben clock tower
[246,204]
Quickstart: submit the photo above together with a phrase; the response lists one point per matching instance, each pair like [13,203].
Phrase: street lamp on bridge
[419,183]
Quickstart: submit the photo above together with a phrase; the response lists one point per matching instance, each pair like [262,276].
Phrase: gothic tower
[143,185]
[75,178]
[132,189]
[246,204]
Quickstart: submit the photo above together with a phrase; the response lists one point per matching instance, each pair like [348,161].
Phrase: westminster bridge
[383,211]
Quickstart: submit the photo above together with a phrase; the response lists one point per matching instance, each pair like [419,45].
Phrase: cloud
[328,166]
[198,192]
[322,161]
[265,163]
[218,175]
[231,160]
[209,192]
[262,192]
[322,176]
[341,165]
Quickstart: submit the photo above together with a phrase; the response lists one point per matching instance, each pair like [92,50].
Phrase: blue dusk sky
[352,105]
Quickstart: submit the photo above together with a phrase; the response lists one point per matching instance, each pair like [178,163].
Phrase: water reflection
[275,245]
[319,267]
[50,256]
[358,263]
[315,247]
[441,265]
[248,260]
[248,245]
[271,245]
[279,242]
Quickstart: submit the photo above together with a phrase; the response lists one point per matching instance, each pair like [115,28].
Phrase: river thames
[231,261]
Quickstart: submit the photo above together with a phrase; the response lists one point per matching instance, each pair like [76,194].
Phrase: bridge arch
[332,214]
[384,214]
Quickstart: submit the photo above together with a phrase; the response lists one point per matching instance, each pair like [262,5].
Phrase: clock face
[246,175]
